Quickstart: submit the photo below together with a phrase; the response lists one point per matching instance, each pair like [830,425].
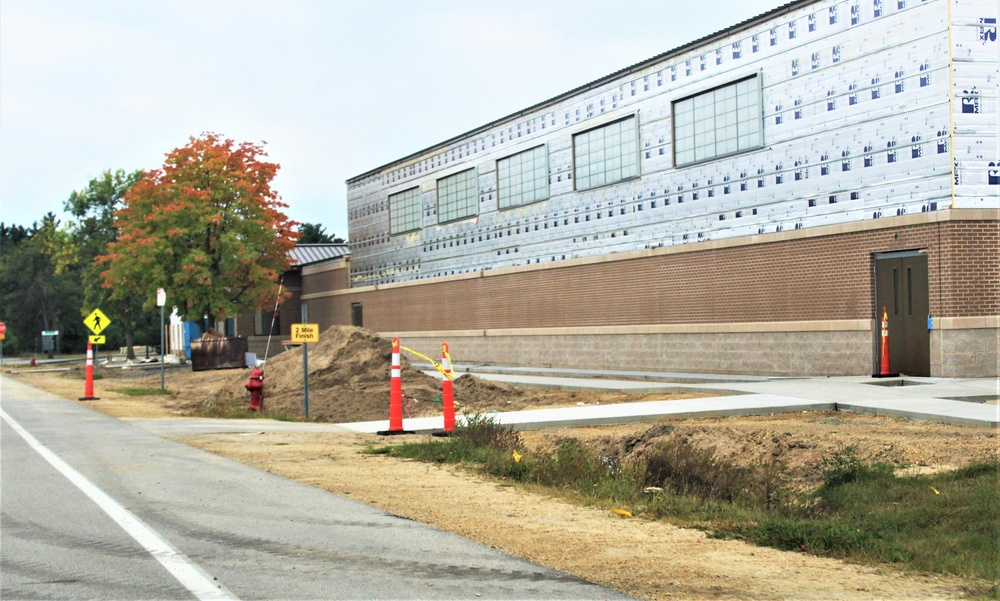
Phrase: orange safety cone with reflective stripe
[884,368]
[88,388]
[395,394]
[447,391]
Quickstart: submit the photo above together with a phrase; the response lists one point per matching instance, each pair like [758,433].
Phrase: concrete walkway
[969,402]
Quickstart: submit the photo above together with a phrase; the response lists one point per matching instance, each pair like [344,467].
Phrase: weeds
[478,430]
[142,391]
[845,467]
[945,523]
[222,410]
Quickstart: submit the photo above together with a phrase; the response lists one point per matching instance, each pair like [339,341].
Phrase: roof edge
[746,24]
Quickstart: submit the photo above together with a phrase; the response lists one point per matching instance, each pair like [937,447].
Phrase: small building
[316,259]
[751,202]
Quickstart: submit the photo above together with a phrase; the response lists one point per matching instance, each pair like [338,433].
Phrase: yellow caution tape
[433,362]
[622,512]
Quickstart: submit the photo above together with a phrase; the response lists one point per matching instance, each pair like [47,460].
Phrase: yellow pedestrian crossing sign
[96,321]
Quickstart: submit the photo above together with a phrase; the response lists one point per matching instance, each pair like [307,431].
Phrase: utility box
[218,353]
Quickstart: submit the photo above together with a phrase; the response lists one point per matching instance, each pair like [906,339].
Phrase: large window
[718,122]
[263,321]
[606,154]
[523,178]
[404,211]
[458,196]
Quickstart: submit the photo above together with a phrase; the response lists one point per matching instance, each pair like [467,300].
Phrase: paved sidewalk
[968,402]
[622,413]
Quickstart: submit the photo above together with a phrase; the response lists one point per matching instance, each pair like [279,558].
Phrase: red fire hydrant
[256,387]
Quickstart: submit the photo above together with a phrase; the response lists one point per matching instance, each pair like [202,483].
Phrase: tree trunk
[127,326]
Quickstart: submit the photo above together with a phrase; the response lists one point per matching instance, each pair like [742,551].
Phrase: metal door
[901,287]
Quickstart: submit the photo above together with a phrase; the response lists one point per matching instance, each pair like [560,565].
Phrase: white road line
[189,574]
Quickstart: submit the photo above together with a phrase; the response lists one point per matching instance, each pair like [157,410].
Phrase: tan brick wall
[807,279]
[967,353]
[328,276]
[764,353]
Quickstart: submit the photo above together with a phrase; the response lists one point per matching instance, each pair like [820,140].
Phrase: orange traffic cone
[88,388]
[884,369]
[395,395]
[447,393]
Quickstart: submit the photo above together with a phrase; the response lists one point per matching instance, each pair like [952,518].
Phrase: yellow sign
[95,339]
[96,321]
[305,332]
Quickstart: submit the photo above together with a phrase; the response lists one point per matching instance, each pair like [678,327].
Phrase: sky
[333,88]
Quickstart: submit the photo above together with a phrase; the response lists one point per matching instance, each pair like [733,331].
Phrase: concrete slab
[936,410]
[192,426]
[623,413]
[925,399]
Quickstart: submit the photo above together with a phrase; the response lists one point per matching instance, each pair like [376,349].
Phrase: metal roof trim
[309,254]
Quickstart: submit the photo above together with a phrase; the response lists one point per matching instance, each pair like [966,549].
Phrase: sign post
[161,300]
[305,333]
[50,342]
[3,334]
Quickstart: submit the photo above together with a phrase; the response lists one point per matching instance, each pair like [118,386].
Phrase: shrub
[480,430]
[845,467]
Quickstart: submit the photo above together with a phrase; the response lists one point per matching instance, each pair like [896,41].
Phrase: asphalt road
[94,508]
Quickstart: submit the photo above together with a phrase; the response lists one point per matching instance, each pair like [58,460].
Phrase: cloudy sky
[334,87]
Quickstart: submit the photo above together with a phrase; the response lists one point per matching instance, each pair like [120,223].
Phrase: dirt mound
[349,381]
[484,395]
[349,378]
[799,445]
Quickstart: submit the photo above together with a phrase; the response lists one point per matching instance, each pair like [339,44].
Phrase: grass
[222,410]
[944,523]
[216,409]
[142,391]
[947,523]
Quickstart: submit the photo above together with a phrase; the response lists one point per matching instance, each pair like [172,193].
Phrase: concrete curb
[958,413]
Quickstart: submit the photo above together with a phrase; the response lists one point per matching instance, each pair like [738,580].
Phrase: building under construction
[746,203]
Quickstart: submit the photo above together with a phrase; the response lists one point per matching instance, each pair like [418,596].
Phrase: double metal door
[901,288]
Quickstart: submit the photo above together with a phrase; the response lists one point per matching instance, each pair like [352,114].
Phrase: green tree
[94,207]
[207,227]
[314,233]
[40,287]
[11,235]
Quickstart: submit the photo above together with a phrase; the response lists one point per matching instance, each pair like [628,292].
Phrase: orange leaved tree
[207,227]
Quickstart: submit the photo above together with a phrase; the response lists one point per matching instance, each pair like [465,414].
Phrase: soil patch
[348,382]
[645,559]
[648,559]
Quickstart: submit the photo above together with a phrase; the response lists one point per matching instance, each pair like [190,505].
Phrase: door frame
[877,316]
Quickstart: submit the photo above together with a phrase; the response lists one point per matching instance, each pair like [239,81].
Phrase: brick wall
[969,269]
[325,277]
[818,278]
[808,278]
